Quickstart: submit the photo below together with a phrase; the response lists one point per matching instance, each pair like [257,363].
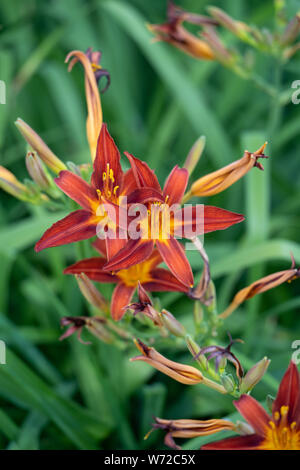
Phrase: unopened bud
[37,170]
[173,325]
[228,383]
[236,27]
[35,141]
[91,293]
[195,349]
[195,154]
[254,375]
[10,184]
[96,327]
[292,31]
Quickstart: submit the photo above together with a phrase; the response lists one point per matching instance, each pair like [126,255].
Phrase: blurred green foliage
[66,395]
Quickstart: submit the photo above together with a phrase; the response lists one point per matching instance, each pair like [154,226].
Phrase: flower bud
[262,285]
[292,31]
[219,180]
[173,325]
[39,146]
[36,170]
[194,154]
[228,383]
[91,293]
[10,184]
[96,327]
[184,374]
[195,349]
[254,375]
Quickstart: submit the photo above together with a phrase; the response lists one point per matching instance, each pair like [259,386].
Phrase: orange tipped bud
[92,73]
[174,33]
[184,374]
[219,180]
[254,375]
[39,146]
[189,428]
[261,285]
[236,27]
[10,184]
[91,293]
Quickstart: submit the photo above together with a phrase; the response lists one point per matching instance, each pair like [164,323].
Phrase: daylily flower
[281,431]
[189,428]
[92,74]
[150,277]
[174,33]
[183,373]
[221,354]
[164,220]
[145,306]
[108,185]
[95,325]
[262,285]
[219,180]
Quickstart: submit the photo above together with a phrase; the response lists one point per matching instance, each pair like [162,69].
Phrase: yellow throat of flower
[280,434]
[131,276]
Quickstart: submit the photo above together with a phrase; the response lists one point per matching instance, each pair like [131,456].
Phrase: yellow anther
[284,410]
[272,425]
[116,189]
[276,415]
[104,176]
[99,193]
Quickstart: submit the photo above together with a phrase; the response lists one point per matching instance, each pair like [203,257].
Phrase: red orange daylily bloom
[108,184]
[174,33]
[281,431]
[262,285]
[165,219]
[150,277]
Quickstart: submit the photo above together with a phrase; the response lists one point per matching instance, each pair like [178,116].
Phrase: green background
[65,395]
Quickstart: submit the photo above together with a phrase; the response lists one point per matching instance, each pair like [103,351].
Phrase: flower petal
[144,195]
[78,225]
[163,280]
[253,413]
[289,393]
[216,218]
[174,256]
[107,154]
[175,185]
[134,252]
[121,297]
[129,183]
[100,245]
[92,267]
[144,176]
[114,245]
[249,442]
[77,189]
